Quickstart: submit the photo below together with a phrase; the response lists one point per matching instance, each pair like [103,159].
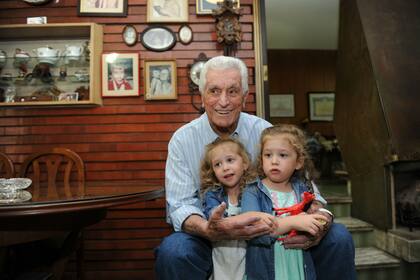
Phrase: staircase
[371,262]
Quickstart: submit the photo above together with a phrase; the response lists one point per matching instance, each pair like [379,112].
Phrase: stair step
[375,264]
[339,205]
[362,232]
[370,257]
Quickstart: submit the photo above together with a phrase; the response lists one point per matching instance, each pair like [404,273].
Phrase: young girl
[224,173]
[285,170]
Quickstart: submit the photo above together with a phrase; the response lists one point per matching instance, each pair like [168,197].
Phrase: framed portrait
[68,96]
[129,35]
[167,10]
[103,8]
[120,74]
[321,106]
[206,7]
[158,38]
[160,79]
[282,105]
[185,34]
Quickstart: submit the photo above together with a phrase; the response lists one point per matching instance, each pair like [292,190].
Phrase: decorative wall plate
[158,38]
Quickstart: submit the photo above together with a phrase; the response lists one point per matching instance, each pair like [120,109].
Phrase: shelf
[48,52]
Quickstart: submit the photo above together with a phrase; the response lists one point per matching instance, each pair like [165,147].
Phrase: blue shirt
[185,150]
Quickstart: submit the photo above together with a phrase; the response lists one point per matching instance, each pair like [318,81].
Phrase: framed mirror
[158,38]
[129,35]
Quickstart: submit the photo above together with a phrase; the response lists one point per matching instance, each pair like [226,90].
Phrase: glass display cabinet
[50,64]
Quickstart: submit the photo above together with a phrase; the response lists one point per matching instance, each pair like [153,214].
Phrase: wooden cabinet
[50,64]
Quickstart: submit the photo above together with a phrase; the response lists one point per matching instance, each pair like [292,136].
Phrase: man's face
[223,99]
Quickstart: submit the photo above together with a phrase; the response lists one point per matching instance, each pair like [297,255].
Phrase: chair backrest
[7,169]
[58,172]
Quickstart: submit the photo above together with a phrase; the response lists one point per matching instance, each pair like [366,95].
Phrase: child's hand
[311,223]
[265,218]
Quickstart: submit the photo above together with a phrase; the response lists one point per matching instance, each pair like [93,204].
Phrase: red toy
[295,209]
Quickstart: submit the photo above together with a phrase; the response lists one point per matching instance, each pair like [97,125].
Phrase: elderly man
[186,254]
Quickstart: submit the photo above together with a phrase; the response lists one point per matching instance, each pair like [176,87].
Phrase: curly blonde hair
[298,139]
[207,175]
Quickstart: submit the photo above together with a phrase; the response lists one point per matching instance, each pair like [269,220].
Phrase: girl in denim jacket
[284,166]
[224,173]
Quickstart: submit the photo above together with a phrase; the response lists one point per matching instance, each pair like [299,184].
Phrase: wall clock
[194,75]
[36,2]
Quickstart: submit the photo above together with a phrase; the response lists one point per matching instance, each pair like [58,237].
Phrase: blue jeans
[183,256]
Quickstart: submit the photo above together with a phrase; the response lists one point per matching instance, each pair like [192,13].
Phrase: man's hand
[305,240]
[243,226]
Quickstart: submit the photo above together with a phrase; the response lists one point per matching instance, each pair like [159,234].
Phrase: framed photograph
[206,7]
[282,105]
[321,106]
[129,35]
[103,8]
[158,38]
[68,96]
[167,10]
[160,80]
[120,74]
[185,34]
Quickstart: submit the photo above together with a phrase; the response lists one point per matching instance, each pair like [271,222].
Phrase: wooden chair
[58,173]
[7,169]
[61,171]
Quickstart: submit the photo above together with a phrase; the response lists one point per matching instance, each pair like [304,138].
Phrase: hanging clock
[36,2]
[194,75]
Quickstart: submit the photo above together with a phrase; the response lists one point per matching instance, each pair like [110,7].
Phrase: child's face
[279,159]
[227,164]
[156,74]
[118,74]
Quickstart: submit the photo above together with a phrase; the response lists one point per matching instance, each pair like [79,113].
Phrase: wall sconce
[228,27]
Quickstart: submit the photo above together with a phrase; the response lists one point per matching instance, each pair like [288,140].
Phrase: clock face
[36,2]
[195,72]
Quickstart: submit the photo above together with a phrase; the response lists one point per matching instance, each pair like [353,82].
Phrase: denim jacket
[214,198]
[260,250]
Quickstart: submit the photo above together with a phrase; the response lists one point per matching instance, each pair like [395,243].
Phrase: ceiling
[302,24]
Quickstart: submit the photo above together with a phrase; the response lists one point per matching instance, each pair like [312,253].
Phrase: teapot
[47,54]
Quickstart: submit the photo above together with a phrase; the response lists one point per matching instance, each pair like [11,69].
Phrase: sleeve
[250,202]
[181,191]
[318,195]
[210,202]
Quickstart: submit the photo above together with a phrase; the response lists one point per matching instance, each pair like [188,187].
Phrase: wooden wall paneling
[125,139]
[299,72]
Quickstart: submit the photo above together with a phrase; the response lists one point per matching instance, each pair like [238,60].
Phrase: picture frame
[206,7]
[160,79]
[167,10]
[282,105]
[130,35]
[158,38]
[103,8]
[120,74]
[321,106]
[185,34]
[68,96]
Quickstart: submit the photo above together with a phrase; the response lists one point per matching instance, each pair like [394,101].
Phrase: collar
[213,135]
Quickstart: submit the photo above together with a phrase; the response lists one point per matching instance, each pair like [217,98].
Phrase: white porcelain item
[73,51]
[46,52]
[13,184]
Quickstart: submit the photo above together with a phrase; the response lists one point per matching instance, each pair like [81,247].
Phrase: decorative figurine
[63,73]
